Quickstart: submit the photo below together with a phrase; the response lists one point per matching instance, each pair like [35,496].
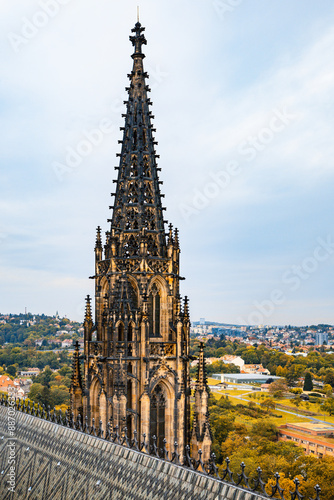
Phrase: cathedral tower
[136,354]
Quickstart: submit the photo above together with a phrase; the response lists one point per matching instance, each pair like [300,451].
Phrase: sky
[242,95]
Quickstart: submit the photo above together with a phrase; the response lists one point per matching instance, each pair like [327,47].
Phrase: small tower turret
[201,438]
[76,383]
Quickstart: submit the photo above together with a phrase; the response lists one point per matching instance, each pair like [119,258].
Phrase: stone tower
[136,354]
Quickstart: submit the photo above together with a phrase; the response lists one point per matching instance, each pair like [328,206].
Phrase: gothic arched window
[129,406]
[154,311]
[120,332]
[157,415]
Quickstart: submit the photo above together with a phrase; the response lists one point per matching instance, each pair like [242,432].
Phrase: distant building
[56,341]
[15,387]
[202,321]
[30,372]
[6,382]
[265,387]
[313,438]
[242,378]
[321,338]
[208,361]
[234,360]
[67,343]
[255,369]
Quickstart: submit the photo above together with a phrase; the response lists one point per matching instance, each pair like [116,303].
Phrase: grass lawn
[213,381]
[282,417]
[230,392]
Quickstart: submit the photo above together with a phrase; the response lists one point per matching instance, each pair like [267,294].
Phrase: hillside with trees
[246,433]
[25,329]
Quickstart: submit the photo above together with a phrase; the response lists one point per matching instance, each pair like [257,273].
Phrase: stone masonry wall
[54,462]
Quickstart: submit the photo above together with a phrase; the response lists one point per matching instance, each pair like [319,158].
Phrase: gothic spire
[186,309]
[76,373]
[98,244]
[201,435]
[201,382]
[88,312]
[138,198]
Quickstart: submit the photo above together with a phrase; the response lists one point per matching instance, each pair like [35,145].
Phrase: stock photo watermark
[93,138]
[74,155]
[248,149]
[291,281]
[11,444]
[223,7]
[30,27]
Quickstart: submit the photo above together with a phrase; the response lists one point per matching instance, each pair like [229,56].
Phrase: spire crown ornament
[88,311]
[98,244]
[138,40]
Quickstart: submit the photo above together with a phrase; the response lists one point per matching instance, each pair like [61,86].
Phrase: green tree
[11,370]
[46,398]
[222,425]
[60,395]
[45,377]
[264,429]
[328,406]
[320,471]
[35,391]
[329,378]
[65,370]
[234,441]
[268,403]
[296,401]
[278,387]
[308,384]
[328,390]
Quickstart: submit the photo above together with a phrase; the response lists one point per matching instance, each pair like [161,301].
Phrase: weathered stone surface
[53,462]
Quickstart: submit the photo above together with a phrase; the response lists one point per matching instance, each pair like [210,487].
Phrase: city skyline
[242,98]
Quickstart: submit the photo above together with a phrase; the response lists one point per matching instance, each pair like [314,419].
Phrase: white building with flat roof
[242,378]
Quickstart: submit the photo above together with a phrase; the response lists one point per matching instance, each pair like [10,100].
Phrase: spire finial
[176,238]
[170,235]
[98,243]
[137,13]
[138,40]
[88,311]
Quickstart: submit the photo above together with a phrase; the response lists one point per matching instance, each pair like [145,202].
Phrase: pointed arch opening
[130,332]
[130,339]
[129,408]
[94,400]
[120,332]
[158,414]
[154,311]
